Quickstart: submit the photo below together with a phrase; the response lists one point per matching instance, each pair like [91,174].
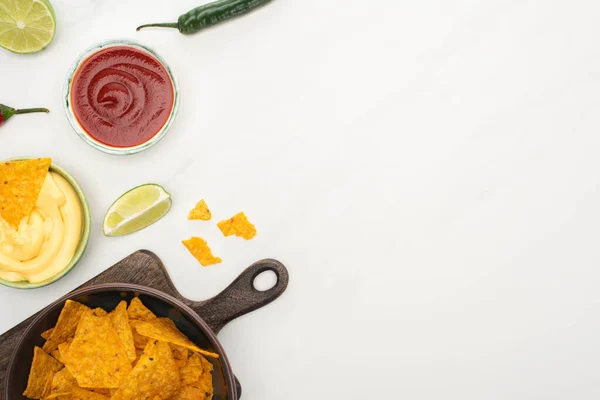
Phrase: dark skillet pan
[238,299]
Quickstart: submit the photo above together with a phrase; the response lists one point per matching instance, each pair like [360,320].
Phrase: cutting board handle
[241,297]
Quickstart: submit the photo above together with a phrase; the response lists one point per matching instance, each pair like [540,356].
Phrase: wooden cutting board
[145,268]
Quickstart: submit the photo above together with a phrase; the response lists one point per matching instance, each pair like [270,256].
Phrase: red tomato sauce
[122,96]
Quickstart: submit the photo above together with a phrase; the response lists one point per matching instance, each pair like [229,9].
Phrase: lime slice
[26,26]
[140,207]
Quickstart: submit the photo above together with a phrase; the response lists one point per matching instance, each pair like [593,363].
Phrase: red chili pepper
[6,112]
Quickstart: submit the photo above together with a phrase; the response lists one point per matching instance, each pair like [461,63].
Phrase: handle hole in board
[265,280]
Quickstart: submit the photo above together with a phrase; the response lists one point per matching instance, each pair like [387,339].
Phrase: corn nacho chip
[238,225]
[180,363]
[206,365]
[190,393]
[46,334]
[205,382]
[179,353]
[105,392]
[82,394]
[192,371]
[120,321]
[205,385]
[154,376]
[66,324]
[99,312]
[62,384]
[139,341]
[47,387]
[62,350]
[200,212]
[20,186]
[43,368]
[56,354]
[96,357]
[201,252]
[202,388]
[137,310]
[159,329]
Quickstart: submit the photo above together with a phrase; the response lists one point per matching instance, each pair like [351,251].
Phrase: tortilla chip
[43,367]
[203,387]
[56,354]
[66,324]
[201,252]
[105,392]
[96,357]
[120,321]
[205,384]
[62,350]
[154,376]
[179,353]
[190,393]
[139,341]
[62,384]
[180,363]
[137,310]
[82,394]
[192,371]
[201,212]
[20,186]
[47,387]
[238,225]
[46,334]
[206,365]
[170,323]
[159,329]
[99,312]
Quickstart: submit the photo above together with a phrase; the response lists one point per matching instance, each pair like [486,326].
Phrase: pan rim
[130,287]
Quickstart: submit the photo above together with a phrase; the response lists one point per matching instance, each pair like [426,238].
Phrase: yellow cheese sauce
[44,243]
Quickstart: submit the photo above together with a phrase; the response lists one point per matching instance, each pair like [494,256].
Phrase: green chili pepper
[6,112]
[209,15]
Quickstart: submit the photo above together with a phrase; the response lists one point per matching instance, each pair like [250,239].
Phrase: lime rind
[26,26]
[136,209]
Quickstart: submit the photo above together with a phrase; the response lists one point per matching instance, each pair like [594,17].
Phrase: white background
[427,170]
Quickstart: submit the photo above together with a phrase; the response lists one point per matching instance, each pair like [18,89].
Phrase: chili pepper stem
[161,25]
[31,110]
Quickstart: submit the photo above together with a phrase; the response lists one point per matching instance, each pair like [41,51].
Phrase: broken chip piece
[200,250]
[200,212]
[238,225]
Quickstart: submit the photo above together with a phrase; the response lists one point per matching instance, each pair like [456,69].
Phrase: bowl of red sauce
[121,97]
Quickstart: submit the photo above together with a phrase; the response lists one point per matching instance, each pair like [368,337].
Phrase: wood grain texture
[145,268]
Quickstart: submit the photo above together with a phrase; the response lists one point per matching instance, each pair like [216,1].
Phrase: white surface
[427,170]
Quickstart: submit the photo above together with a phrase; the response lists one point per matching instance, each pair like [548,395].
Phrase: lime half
[26,26]
[140,207]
